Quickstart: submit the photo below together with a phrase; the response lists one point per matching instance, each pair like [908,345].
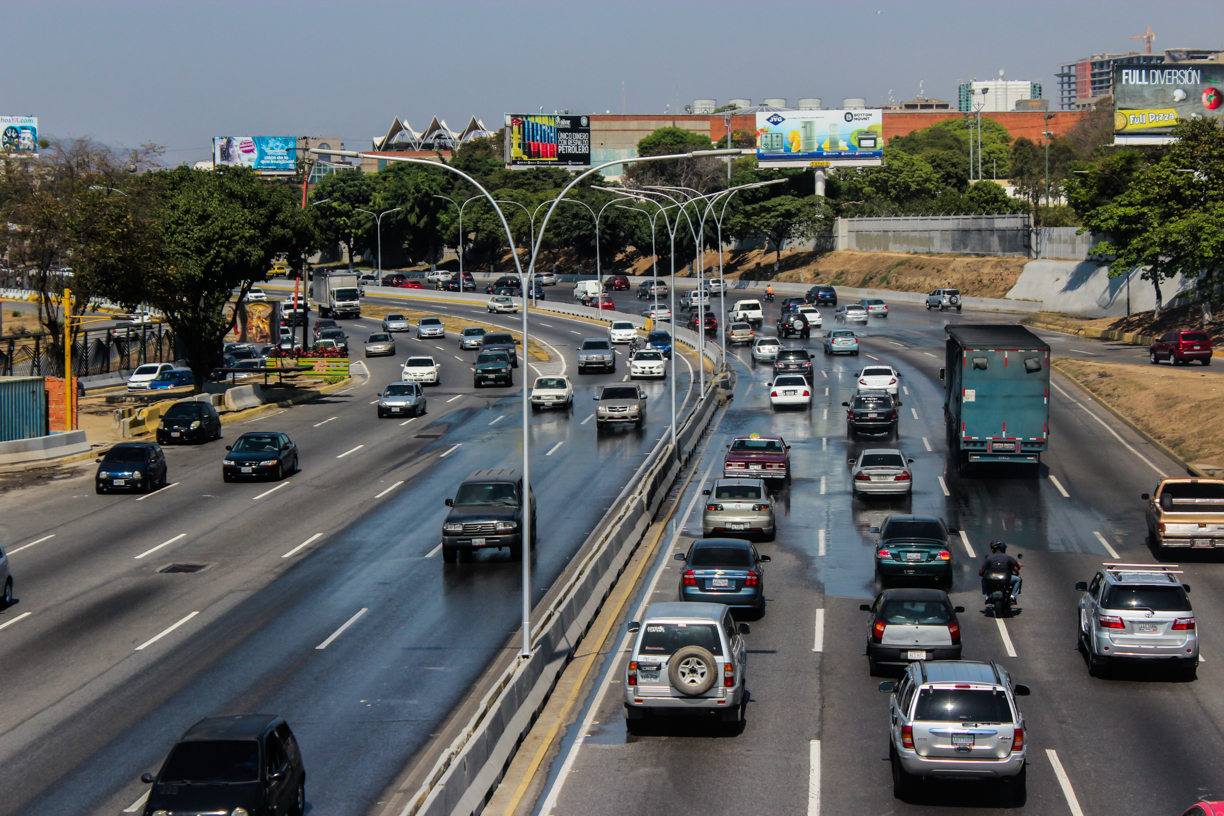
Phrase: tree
[417,227]
[988,197]
[779,218]
[344,193]
[705,174]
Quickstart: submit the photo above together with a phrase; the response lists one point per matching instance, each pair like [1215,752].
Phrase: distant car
[367,279]
[146,374]
[615,283]
[793,324]
[911,624]
[412,283]
[765,349]
[715,286]
[596,352]
[508,291]
[247,764]
[323,345]
[790,391]
[881,471]
[401,398]
[552,392]
[422,370]
[536,292]
[724,571]
[244,351]
[660,314]
[738,508]
[841,341]
[692,299]
[739,333]
[659,341]
[470,337]
[138,466]
[504,282]
[380,344]
[622,331]
[913,548]
[747,311]
[872,412]
[548,278]
[437,275]
[875,307]
[175,378]
[1182,348]
[879,378]
[256,295]
[792,304]
[466,283]
[619,405]
[943,299]
[502,303]
[505,341]
[821,295]
[650,289]
[260,453]
[394,279]
[492,368]
[430,327]
[647,363]
[322,324]
[850,313]
[757,456]
[812,315]
[695,321]
[793,361]
[336,335]
[601,302]
[187,421]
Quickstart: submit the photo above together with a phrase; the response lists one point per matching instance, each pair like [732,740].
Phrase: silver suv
[956,719]
[942,299]
[687,657]
[1138,611]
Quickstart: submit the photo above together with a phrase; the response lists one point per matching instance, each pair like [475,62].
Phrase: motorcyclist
[1000,560]
[769,293]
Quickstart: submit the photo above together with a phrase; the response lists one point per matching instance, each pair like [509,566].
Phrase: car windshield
[1156,598]
[401,390]
[215,762]
[663,639]
[474,493]
[877,372]
[189,410]
[913,528]
[735,491]
[793,354]
[145,370]
[394,317]
[498,339]
[379,338]
[473,332]
[420,362]
[346,294]
[882,460]
[491,358]
[962,705]
[551,382]
[658,337]
[126,455]
[255,444]
[916,613]
[648,355]
[430,321]
[622,324]
[619,392]
[854,308]
[595,345]
[757,446]
[874,302]
[794,379]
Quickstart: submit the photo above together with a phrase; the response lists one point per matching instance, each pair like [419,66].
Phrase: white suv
[146,374]
[622,331]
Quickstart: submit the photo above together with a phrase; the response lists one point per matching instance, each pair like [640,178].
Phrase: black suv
[822,294]
[872,412]
[793,323]
[221,764]
[504,282]
[793,361]
[487,513]
[503,341]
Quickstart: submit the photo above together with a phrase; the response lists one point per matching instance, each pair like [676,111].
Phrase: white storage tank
[740,103]
[704,105]
[809,103]
[854,103]
[774,102]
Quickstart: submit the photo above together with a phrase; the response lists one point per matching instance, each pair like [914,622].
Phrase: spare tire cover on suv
[692,671]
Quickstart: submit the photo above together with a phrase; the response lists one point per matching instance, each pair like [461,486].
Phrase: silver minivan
[687,658]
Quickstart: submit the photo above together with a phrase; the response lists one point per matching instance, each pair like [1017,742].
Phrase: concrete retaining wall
[953,234]
[1085,288]
[1063,243]
[41,448]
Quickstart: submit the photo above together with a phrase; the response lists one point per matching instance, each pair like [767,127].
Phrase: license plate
[648,677]
[120,482]
[963,739]
[1004,446]
[1147,629]
[478,542]
[915,655]
[717,583]
[873,416]
[913,556]
[396,409]
[175,433]
[736,526]
[787,393]
[1201,542]
[248,470]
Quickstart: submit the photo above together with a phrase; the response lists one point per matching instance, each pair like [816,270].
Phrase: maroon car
[1182,347]
[617,282]
[601,302]
[757,456]
[711,322]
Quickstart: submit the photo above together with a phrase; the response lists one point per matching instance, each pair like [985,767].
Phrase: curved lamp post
[459,207]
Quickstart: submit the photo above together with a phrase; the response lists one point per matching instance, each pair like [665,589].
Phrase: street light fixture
[378,222]
[461,237]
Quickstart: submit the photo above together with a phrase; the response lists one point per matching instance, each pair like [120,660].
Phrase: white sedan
[812,315]
[621,331]
[878,378]
[659,315]
[790,391]
[256,295]
[421,370]
[552,392]
[647,363]
[502,303]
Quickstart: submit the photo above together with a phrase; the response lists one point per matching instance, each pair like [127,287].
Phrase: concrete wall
[1085,288]
[41,448]
[1063,243]
[956,234]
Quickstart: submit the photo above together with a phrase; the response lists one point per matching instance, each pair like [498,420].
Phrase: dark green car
[914,549]
[493,366]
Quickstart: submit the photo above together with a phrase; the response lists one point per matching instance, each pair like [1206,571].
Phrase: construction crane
[1147,39]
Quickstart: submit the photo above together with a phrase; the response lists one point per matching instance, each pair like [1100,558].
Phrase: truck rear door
[1005,397]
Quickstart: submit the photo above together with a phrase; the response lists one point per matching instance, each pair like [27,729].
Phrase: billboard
[19,134]
[1149,100]
[263,154]
[547,140]
[820,138]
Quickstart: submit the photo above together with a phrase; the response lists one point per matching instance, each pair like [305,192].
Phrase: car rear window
[877,372]
[1195,337]
[737,492]
[962,705]
[595,345]
[793,379]
[1156,598]
[756,446]
[842,333]
[913,528]
[793,354]
[727,557]
[915,613]
[212,762]
[618,393]
[1191,496]
[871,403]
[882,460]
[663,639]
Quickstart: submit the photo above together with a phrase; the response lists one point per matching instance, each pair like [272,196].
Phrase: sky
[177,73]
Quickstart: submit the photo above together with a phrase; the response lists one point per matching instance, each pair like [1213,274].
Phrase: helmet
[1001,546]
[994,546]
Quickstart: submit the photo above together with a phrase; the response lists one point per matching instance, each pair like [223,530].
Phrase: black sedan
[189,421]
[726,571]
[260,454]
[138,466]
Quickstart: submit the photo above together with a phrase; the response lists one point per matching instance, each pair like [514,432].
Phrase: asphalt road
[322,598]
[815,735]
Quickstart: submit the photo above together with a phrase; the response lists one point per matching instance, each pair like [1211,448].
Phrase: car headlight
[194,425]
[238,812]
[451,527]
[228,462]
[161,813]
[268,462]
[506,525]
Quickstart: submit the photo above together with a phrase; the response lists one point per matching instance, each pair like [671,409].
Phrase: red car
[1182,347]
[617,282]
[601,302]
[1206,809]
[711,322]
[757,456]
[411,284]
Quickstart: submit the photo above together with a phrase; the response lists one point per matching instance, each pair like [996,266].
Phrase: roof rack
[1113,567]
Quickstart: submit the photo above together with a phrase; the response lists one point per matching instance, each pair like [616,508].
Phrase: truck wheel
[450,555]
[516,552]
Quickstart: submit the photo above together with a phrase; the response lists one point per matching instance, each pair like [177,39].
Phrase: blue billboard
[276,154]
[19,134]
[820,138]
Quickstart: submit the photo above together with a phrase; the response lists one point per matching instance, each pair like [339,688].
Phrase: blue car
[660,341]
[175,378]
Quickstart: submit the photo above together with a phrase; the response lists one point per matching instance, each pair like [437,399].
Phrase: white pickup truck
[747,311]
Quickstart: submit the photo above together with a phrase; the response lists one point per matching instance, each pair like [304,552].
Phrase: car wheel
[902,781]
[7,600]
[280,472]
[516,551]
[1152,357]
[299,801]
[1015,787]
[958,308]
[450,555]
[1206,361]
[147,487]
[691,671]
[381,415]
[476,383]
[1189,669]
[873,668]
[226,477]
[1096,665]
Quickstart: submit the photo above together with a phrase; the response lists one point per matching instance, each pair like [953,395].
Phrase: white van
[586,288]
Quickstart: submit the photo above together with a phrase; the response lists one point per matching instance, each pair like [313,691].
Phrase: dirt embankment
[1182,408]
[1185,318]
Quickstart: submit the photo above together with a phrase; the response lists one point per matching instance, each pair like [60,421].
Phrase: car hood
[380,344]
[251,456]
[491,364]
[619,403]
[482,512]
[205,798]
[399,399]
[121,467]
[594,352]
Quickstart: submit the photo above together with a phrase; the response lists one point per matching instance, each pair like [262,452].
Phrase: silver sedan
[380,345]
[396,322]
[765,349]
[851,312]
[401,399]
[882,471]
[738,508]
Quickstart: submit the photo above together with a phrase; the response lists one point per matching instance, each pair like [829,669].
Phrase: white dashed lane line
[914,411]
[944,486]
[159,546]
[1058,484]
[555,447]
[1064,782]
[304,544]
[1007,641]
[346,453]
[818,642]
[388,490]
[452,450]
[340,631]
[968,546]
[457,396]
[152,495]
[927,442]
[165,632]
[820,543]
[1112,553]
[273,490]
[324,422]
[31,544]
[22,616]
[588,419]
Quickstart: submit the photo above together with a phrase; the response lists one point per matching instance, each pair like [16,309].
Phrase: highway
[814,740]
[322,598]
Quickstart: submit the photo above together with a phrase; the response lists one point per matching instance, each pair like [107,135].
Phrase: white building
[1001,94]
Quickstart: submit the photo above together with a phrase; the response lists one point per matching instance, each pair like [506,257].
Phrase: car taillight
[753,579]
[1018,739]
[689,578]
[759,507]
[861,477]
[895,414]
[1184,623]
[892,381]
[903,476]
[862,382]
[945,555]
[954,631]
[907,736]
[807,363]
[728,674]
[631,679]
[1110,622]
[806,393]
[1160,528]
[882,553]
[714,507]
[736,465]
[877,631]
[773,393]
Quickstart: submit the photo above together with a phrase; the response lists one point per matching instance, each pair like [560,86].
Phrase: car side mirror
[1186,587]
[846,404]
[911,461]
[941,375]
[450,502]
[227,447]
[899,403]
[645,397]
[679,556]
[958,609]
[728,447]
[864,607]
[634,626]
[888,686]
[705,492]
[1146,496]
[1081,586]
[1022,690]
[765,559]
[147,778]
[745,629]
[956,531]
[873,530]
[99,460]
[518,342]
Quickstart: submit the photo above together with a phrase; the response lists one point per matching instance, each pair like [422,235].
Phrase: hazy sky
[179,73]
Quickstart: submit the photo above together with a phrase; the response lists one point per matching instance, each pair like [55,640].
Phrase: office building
[1001,95]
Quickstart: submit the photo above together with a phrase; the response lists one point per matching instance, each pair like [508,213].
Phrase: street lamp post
[596,217]
[1047,135]
[378,223]
[460,208]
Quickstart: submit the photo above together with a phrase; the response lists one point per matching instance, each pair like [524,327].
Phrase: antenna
[1147,39]
[920,96]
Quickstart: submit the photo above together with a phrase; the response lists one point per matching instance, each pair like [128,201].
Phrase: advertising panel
[820,138]
[547,140]
[256,322]
[263,154]
[1149,100]
[19,134]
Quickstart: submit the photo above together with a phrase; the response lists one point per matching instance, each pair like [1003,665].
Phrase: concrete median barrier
[241,397]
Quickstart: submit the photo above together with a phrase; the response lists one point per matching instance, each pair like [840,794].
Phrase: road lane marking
[372,402]
[588,419]
[820,542]
[625,378]
[1058,484]
[1081,351]
[824,414]
[927,442]
[150,495]
[324,422]
[968,546]
[1112,553]
[31,544]
[822,485]
[405,422]
[439,348]
[499,419]
[452,399]
[1011,650]
[138,804]
[929,354]
[159,546]
[22,616]
[574,332]
[873,357]
[1064,782]
[546,325]
[452,450]
[898,345]
[308,541]
[433,552]
[824,373]
[944,486]
[906,390]
[457,357]
[813,808]
[914,411]
[826,391]
[818,643]
[1125,444]
[824,443]
[389,489]
[265,416]
[340,631]
[273,490]
[554,448]
[345,391]
[165,632]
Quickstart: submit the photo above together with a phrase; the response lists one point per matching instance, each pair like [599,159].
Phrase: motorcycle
[769,298]
[999,592]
